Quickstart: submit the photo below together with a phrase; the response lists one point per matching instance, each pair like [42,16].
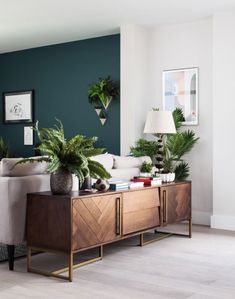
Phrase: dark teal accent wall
[60,76]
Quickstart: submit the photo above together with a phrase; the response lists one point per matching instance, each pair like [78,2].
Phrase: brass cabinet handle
[164,207]
[118,216]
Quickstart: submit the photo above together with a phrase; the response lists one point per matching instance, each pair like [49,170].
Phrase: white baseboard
[203,218]
[223,222]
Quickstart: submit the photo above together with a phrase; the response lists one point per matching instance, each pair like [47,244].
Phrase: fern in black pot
[67,157]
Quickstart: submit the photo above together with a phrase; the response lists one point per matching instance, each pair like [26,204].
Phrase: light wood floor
[199,268]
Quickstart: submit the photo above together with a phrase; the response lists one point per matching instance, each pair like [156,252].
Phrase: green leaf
[144,148]
[97,170]
[4,149]
[178,117]
[181,171]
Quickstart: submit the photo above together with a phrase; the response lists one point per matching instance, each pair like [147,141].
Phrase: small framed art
[18,107]
[180,90]
[28,135]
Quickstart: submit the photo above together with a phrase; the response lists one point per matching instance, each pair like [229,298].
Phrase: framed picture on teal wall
[18,107]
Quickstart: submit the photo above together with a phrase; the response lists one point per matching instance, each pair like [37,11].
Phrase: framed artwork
[180,90]
[28,135]
[18,107]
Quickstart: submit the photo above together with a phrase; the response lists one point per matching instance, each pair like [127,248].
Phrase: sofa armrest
[13,204]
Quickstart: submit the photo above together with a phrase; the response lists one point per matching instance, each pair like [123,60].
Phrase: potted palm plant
[169,153]
[67,157]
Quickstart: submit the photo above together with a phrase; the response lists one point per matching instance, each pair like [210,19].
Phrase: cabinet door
[140,210]
[175,203]
[96,220]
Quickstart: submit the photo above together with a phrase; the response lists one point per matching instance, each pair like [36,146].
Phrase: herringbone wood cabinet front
[95,220]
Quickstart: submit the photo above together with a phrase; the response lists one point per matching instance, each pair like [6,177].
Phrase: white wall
[134,83]
[170,47]
[190,45]
[223,121]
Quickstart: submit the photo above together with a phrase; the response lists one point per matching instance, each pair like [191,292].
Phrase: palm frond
[178,117]
[181,171]
[97,170]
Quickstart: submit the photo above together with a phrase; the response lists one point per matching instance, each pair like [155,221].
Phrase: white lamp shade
[159,122]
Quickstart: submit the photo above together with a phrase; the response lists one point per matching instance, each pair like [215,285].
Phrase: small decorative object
[87,184]
[28,135]
[145,169]
[180,90]
[100,95]
[102,185]
[18,107]
[66,157]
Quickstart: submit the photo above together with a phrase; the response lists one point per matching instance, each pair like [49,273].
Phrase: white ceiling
[32,23]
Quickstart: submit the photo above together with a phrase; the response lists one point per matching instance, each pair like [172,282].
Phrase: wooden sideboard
[71,223]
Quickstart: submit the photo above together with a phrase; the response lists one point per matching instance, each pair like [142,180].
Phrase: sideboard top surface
[76,194]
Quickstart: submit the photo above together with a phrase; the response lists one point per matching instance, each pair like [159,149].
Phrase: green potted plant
[176,146]
[145,169]
[144,148]
[67,157]
[169,152]
[4,149]
[103,92]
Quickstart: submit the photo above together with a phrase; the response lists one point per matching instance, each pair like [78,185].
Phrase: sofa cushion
[105,159]
[124,173]
[29,168]
[130,162]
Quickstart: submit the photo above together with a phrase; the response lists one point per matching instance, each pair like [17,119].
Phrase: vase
[87,184]
[167,177]
[61,181]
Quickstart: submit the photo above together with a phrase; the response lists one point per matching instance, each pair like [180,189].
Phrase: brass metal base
[166,235]
[57,273]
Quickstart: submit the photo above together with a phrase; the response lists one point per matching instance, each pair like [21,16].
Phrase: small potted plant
[146,169]
[167,173]
[67,157]
[103,92]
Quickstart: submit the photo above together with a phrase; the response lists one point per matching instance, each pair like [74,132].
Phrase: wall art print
[180,90]
[18,107]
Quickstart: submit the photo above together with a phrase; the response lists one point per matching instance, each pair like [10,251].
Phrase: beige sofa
[16,182]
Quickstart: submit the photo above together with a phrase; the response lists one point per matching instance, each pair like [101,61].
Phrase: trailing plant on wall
[175,146]
[100,95]
[4,149]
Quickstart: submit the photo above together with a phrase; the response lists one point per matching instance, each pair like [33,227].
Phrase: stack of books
[118,185]
[151,181]
[136,185]
[156,181]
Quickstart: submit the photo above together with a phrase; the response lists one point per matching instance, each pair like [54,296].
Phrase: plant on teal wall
[100,95]
[4,149]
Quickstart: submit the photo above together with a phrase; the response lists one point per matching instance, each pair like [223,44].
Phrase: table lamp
[159,123]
